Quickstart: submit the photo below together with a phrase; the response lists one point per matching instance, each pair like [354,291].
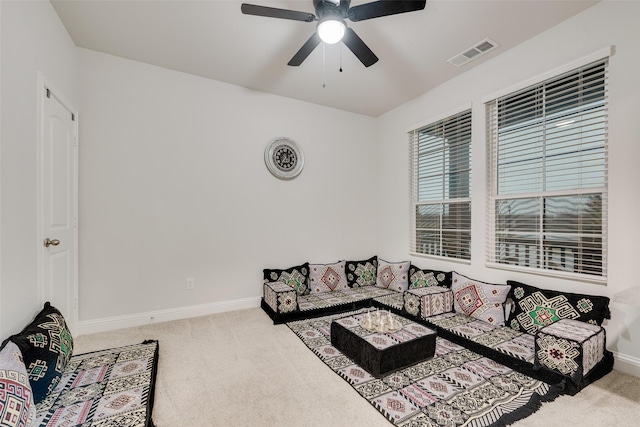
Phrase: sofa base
[279,318]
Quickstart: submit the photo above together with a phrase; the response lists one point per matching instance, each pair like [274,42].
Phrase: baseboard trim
[140,319]
[627,364]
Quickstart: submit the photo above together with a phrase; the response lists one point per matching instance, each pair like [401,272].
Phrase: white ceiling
[213,39]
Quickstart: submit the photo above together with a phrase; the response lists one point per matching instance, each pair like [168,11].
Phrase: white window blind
[440,186]
[547,159]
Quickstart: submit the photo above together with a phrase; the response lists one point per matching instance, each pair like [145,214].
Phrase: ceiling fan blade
[272,12]
[359,48]
[305,50]
[377,9]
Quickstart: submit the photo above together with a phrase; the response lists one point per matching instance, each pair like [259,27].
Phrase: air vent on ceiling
[474,52]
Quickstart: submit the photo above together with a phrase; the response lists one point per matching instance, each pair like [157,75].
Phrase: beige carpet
[238,369]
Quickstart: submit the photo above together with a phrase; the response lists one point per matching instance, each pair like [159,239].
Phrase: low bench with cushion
[43,384]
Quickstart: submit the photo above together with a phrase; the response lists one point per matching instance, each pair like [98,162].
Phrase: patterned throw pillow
[483,301]
[327,277]
[46,345]
[419,278]
[361,273]
[297,277]
[393,275]
[16,398]
[535,308]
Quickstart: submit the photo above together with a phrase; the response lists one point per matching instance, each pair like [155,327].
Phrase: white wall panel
[173,185]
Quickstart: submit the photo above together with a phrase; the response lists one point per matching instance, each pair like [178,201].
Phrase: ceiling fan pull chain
[340,58]
[324,67]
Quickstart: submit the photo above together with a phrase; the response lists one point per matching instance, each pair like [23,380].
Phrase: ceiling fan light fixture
[331,30]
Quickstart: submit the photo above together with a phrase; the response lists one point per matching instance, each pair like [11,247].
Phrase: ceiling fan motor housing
[327,8]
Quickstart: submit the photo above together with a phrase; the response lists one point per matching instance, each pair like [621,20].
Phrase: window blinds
[547,158]
[440,187]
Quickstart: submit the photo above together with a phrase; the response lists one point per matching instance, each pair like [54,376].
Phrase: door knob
[54,242]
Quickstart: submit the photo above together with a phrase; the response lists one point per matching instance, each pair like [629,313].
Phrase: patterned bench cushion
[569,347]
[336,298]
[500,338]
[393,300]
[113,387]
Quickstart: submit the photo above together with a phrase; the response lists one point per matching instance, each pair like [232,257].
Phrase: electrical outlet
[191,283]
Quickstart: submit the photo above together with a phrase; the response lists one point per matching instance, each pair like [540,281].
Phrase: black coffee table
[382,353]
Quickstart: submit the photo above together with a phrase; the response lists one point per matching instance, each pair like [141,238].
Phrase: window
[440,185]
[547,159]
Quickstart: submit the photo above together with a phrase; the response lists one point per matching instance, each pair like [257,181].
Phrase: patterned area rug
[113,387]
[457,387]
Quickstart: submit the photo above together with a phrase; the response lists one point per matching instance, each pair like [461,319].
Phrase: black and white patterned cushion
[361,273]
[420,278]
[46,345]
[297,277]
[535,308]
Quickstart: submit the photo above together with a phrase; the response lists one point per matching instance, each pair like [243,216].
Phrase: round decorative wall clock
[284,158]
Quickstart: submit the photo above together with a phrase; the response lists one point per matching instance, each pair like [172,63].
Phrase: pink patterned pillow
[16,396]
[480,300]
[393,275]
[327,277]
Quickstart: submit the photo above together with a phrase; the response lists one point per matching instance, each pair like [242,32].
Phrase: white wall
[33,39]
[608,23]
[173,185]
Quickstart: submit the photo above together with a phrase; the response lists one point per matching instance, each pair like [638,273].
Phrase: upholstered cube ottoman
[569,347]
[428,301]
[281,297]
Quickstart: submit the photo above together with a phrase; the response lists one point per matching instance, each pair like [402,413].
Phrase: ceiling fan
[331,27]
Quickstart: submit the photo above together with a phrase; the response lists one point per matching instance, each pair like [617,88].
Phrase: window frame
[464,116]
[491,122]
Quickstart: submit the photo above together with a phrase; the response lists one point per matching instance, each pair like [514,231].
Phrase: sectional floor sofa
[553,336]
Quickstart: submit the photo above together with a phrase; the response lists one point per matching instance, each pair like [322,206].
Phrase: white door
[58,206]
